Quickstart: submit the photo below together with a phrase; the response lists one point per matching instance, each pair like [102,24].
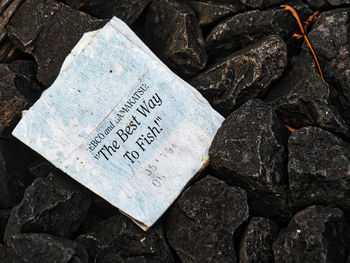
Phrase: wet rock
[235,33]
[4,216]
[179,44]
[330,40]
[244,75]
[14,176]
[12,103]
[256,245]
[49,30]
[126,10]
[21,75]
[302,98]
[118,239]
[316,234]
[211,12]
[37,248]
[318,168]
[55,205]
[202,222]
[250,151]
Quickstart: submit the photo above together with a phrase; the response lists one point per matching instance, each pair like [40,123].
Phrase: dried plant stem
[296,16]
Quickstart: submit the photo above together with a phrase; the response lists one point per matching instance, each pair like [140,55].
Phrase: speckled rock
[49,30]
[235,33]
[55,205]
[211,12]
[302,98]
[21,75]
[315,234]
[118,239]
[256,244]
[244,75]
[37,248]
[330,40]
[126,10]
[180,43]
[201,224]
[318,168]
[326,4]
[250,151]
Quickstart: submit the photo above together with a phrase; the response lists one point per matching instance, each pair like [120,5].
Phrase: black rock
[118,239]
[38,248]
[21,75]
[201,224]
[126,10]
[261,3]
[244,75]
[256,245]
[14,176]
[101,207]
[316,234]
[326,4]
[55,205]
[49,30]
[211,12]
[250,151]
[237,32]
[330,40]
[12,103]
[318,168]
[302,98]
[179,44]
[4,216]
[40,168]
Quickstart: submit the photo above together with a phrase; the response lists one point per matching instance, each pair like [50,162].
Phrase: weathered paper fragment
[121,123]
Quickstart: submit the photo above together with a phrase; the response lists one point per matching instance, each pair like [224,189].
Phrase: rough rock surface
[202,222]
[210,12]
[250,151]
[11,105]
[180,44]
[118,239]
[37,248]
[315,234]
[256,244]
[40,168]
[4,216]
[244,75]
[302,98]
[318,168]
[14,176]
[55,205]
[326,4]
[126,10]
[261,3]
[54,31]
[21,75]
[330,39]
[235,33]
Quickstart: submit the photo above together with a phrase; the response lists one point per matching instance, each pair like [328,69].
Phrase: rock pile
[269,194]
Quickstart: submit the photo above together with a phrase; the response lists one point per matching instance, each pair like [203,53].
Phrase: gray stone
[250,151]
[55,205]
[38,248]
[126,10]
[315,234]
[318,168]
[244,75]
[175,36]
[201,224]
[235,33]
[302,98]
[256,244]
[49,30]
[118,239]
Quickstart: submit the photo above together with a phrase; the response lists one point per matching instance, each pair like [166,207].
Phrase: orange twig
[290,128]
[296,16]
[311,19]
